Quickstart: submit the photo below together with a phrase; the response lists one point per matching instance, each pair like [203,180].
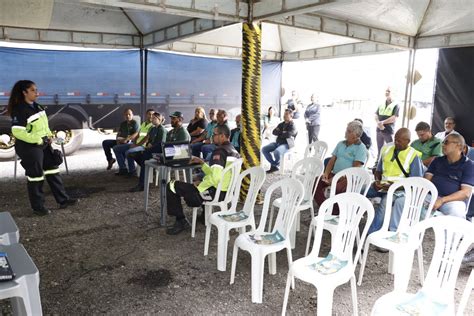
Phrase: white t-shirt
[442,135]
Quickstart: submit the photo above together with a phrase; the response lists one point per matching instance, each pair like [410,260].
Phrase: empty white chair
[416,191]
[234,170]
[260,243]
[233,218]
[9,233]
[316,149]
[308,171]
[358,181]
[23,290]
[453,236]
[327,273]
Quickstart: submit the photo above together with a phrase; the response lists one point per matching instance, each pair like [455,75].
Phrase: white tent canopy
[292,29]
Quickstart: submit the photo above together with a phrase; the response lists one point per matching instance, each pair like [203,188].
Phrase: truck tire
[7,141]
[69,129]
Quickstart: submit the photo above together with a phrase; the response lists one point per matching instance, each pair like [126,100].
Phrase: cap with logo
[176,114]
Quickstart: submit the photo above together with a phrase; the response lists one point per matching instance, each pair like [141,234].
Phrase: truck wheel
[7,146]
[65,127]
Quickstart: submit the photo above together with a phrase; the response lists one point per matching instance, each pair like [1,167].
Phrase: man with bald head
[397,160]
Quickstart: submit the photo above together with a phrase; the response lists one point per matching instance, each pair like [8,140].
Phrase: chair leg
[325,300]
[222,241]
[270,220]
[421,270]
[364,260]
[298,222]
[290,262]
[355,310]
[287,292]
[308,242]
[390,262]
[234,263]
[207,239]
[193,224]
[257,278]
[272,263]
[293,234]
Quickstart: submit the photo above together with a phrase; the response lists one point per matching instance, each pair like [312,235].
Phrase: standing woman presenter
[33,146]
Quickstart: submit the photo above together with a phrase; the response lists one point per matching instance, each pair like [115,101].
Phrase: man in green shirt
[427,144]
[178,133]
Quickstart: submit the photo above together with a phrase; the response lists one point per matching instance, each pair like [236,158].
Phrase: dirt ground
[105,255]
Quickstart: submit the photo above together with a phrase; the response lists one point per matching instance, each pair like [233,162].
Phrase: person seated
[453,176]
[198,124]
[449,125]
[178,133]
[350,152]
[397,160]
[207,149]
[364,138]
[155,137]
[235,134]
[427,144]
[270,121]
[128,130]
[206,136]
[122,151]
[194,195]
[285,133]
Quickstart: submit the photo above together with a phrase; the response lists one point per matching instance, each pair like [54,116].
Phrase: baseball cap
[176,114]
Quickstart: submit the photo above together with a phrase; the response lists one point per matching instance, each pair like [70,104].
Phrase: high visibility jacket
[222,157]
[386,110]
[391,170]
[30,123]
[144,128]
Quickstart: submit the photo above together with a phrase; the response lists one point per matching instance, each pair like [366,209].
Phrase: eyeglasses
[447,142]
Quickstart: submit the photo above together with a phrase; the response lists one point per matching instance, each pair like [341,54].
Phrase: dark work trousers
[108,144]
[313,132]
[37,162]
[191,196]
[382,139]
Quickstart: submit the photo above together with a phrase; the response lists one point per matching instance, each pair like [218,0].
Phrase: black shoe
[137,188]
[273,169]
[381,250]
[111,163]
[42,212]
[132,173]
[68,202]
[122,172]
[178,227]
[468,258]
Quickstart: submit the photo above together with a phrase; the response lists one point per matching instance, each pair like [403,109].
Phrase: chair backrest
[292,193]
[352,208]
[416,191]
[358,180]
[308,171]
[254,177]
[316,149]
[234,170]
[453,236]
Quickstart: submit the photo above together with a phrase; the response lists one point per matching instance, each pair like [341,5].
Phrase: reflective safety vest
[386,110]
[36,128]
[390,169]
[144,128]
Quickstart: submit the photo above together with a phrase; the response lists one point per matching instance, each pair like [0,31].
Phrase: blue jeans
[120,151]
[454,208]
[196,149]
[107,145]
[397,209]
[277,151]
[207,150]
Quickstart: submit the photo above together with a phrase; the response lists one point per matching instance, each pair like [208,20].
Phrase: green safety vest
[391,170]
[144,128]
[386,110]
[36,128]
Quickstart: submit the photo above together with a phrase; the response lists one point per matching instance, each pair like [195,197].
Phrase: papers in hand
[329,265]
[234,217]
[267,239]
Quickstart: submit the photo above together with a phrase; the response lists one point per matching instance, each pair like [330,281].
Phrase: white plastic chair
[9,233]
[453,236]
[416,191]
[234,170]
[338,267]
[233,218]
[358,181]
[308,171]
[23,290]
[316,149]
[292,193]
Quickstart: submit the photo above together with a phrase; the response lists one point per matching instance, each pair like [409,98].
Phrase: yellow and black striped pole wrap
[251,77]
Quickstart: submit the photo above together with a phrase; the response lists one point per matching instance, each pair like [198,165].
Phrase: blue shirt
[210,129]
[447,177]
[346,155]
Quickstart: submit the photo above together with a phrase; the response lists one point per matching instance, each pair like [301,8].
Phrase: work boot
[178,227]
[273,169]
[42,211]
[122,172]
[68,202]
[111,163]
[137,188]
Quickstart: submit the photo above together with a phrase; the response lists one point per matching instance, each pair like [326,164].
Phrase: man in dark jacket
[285,133]
[312,117]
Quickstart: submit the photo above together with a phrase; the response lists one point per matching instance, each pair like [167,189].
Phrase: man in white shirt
[449,125]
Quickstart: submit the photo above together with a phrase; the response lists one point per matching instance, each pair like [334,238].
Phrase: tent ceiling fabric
[297,29]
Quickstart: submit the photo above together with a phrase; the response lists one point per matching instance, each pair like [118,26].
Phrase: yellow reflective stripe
[172,188]
[19,127]
[51,171]
[33,179]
